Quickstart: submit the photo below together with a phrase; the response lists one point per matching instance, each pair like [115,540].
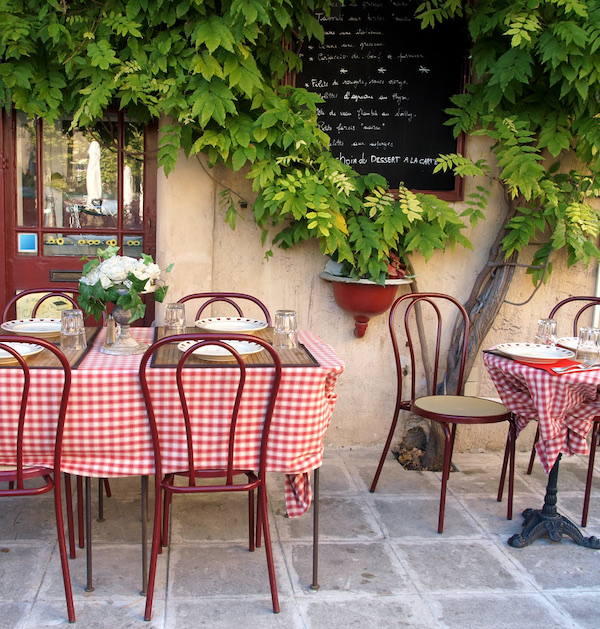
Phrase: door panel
[69,192]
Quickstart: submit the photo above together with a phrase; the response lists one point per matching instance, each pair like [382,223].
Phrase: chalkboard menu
[386,83]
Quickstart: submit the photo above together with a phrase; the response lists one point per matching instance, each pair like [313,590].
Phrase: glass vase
[125,344]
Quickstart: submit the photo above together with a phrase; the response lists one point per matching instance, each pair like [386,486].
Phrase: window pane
[133,245]
[133,172]
[76,244]
[79,179]
[26,172]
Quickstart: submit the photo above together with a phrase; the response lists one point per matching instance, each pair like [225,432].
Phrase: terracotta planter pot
[362,299]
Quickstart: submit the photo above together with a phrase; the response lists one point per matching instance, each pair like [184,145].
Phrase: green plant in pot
[368,229]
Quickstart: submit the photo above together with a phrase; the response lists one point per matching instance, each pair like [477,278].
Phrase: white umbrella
[127,186]
[93,178]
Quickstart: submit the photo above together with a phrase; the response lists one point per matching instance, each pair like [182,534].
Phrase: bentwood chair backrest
[574,308]
[55,299]
[18,426]
[187,387]
[236,301]
[428,352]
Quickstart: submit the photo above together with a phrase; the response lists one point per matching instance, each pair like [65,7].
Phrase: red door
[65,193]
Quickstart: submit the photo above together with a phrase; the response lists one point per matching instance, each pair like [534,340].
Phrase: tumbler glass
[546,333]
[588,346]
[175,318]
[285,330]
[72,330]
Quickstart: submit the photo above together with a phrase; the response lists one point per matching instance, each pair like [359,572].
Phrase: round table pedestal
[547,520]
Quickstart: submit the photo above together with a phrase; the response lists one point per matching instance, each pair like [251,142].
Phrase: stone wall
[208,255]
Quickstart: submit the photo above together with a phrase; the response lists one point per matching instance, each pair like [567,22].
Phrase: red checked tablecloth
[107,434]
[564,405]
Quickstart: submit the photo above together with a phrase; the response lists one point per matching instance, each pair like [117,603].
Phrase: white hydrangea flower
[115,270]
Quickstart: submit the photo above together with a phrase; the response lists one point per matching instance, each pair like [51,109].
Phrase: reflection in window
[26,172]
[133,245]
[133,177]
[67,244]
[80,188]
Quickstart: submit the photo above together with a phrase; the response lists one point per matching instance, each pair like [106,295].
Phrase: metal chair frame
[17,477]
[165,484]
[68,294]
[478,410]
[225,297]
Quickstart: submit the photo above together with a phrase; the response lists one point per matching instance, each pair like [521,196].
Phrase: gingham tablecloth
[107,433]
[564,405]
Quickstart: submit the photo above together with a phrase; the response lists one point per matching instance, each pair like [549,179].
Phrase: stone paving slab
[382,562]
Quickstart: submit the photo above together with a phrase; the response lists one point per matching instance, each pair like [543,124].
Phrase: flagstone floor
[382,563]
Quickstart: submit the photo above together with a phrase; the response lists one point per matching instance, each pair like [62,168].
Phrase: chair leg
[251,531]
[505,462]
[156,544]
[62,547]
[166,514]
[386,448]
[107,488]
[70,522]
[268,549]
[590,472]
[100,500]
[512,439]
[80,516]
[532,457]
[445,473]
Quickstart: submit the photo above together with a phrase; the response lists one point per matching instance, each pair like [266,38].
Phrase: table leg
[547,520]
[88,532]
[315,583]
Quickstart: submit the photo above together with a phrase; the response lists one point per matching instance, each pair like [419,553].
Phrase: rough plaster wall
[208,255]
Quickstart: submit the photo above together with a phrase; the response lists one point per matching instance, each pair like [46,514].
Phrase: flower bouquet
[120,280]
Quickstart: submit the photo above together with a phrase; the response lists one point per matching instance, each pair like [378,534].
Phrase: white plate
[570,342]
[235,325]
[216,353]
[6,358]
[39,328]
[533,353]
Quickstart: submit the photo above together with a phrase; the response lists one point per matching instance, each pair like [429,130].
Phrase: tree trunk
[487,296]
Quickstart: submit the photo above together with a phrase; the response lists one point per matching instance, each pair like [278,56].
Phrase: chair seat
[460,409]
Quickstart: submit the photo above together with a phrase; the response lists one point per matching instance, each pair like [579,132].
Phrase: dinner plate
[236,325]
[39,328]
[26,350]
[534,353]
[570,342]
[216,353]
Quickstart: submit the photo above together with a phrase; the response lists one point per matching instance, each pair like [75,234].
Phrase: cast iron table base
[547,520]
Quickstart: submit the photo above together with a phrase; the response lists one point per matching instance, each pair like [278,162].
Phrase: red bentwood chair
[57,299]
[445,408]
[226,478]
[24,479]
[232,299]
[576,307]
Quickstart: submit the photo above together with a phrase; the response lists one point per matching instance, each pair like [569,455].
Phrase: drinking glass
[72,330]
[285,330]
[546,333]
[175,318]
[588,346]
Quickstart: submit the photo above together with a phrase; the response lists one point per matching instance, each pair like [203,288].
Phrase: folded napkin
[562,362]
